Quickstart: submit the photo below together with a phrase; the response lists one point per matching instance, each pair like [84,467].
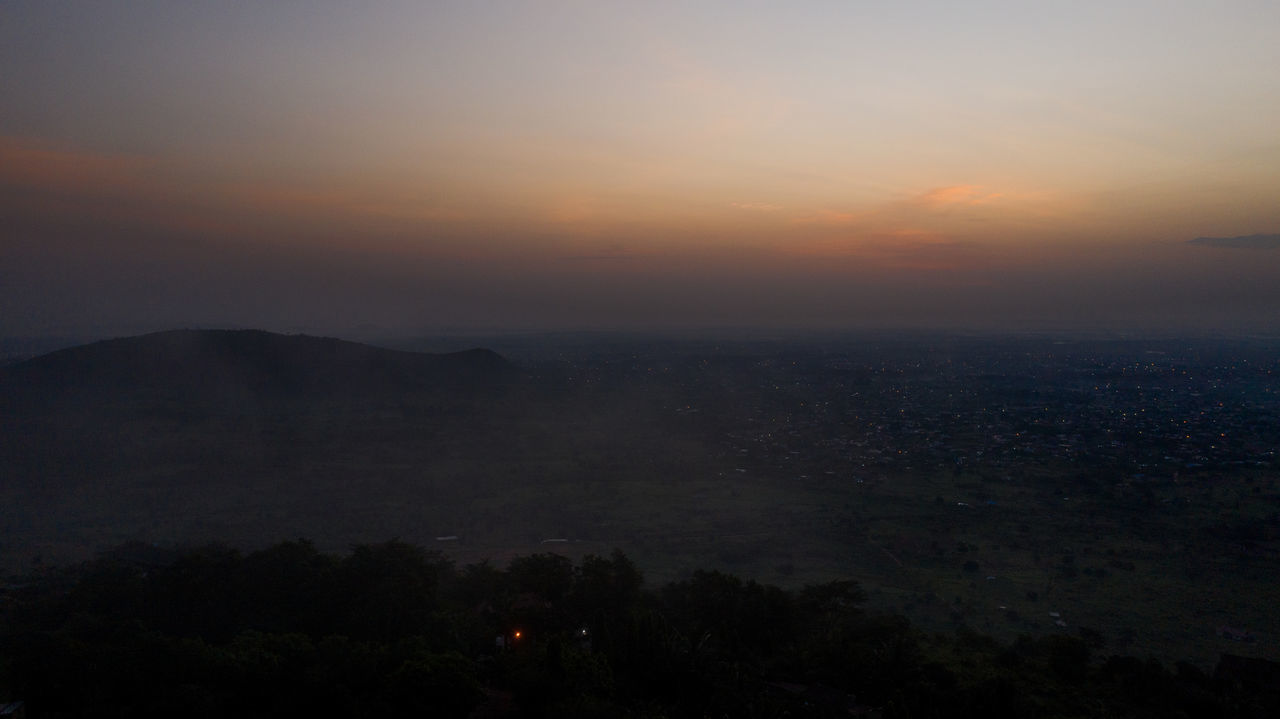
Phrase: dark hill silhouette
[229,368]
[240,435]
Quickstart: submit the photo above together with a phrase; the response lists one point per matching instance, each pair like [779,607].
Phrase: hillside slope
[232,370]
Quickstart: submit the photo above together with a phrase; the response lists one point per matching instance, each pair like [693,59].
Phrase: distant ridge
[230,367]
[1246,242]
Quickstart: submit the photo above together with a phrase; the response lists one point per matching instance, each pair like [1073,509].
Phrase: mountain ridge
[228,366]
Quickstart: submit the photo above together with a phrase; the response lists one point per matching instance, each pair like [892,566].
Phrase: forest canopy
[391,629]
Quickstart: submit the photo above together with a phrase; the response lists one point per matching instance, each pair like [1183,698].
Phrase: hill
[238,370]
[247,435]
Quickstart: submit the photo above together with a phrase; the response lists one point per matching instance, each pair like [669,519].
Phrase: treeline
[391,630]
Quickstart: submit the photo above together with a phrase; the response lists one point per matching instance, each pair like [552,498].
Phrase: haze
[323,165]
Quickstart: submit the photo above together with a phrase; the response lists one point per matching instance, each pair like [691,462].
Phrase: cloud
[757,206]
[26,162]
[969,195]
[60,186]
[1245,242]
[935,201]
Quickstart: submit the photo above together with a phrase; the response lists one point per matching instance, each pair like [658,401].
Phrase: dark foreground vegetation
[392,630]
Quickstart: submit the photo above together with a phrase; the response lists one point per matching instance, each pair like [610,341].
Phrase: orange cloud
[937,198]
[954,211]
[32,163]
[78,186]
[970,195]
[157,192]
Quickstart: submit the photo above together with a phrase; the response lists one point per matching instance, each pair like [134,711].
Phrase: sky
[417,166]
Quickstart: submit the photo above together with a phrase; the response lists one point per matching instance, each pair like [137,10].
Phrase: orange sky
[598,164]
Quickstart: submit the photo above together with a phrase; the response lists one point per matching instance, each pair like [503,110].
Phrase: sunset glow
[573,164]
